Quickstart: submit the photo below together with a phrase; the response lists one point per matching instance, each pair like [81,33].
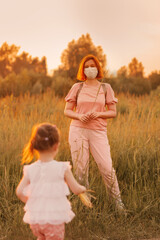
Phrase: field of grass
[134,137]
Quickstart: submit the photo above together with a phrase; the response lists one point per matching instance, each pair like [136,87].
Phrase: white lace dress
[47,193]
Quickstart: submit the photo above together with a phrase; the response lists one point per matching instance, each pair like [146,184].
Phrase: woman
[88,127]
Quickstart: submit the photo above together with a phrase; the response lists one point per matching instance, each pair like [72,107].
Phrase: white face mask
[91,72]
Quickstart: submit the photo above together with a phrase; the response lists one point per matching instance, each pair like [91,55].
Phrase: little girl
[44,185]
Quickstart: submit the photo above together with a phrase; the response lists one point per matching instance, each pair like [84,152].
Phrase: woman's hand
[88,116]
[84,117]
[111,113]
[94,115]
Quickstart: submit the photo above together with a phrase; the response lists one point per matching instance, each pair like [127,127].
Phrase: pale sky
[124,28]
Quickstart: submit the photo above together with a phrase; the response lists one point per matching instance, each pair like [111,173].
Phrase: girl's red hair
[43,137]
[81,76]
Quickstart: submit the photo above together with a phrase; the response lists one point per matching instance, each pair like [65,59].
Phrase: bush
[154,79]
[26,81]
[135,86]
[61,85]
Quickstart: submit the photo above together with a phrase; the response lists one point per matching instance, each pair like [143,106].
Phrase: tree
[10,61]
[25,61]
[122,72]
[135,69]
[154,79]
[7,57]
[76,50]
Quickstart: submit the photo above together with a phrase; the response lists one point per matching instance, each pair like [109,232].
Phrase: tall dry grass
[134,136]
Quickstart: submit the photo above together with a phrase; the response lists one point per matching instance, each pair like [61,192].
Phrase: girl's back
[44,185]
[47,191]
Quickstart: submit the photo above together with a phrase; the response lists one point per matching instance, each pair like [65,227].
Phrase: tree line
[21,73]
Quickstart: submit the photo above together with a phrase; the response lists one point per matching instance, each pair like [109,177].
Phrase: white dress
[47,193]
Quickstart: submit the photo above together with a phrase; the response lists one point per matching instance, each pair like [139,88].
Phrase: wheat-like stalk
[86,198]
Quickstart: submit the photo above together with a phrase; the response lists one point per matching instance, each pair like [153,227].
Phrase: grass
[134,137]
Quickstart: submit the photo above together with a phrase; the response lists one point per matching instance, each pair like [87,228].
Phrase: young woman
[88,127]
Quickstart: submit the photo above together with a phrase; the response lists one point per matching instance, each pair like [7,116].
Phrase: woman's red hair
[81,76]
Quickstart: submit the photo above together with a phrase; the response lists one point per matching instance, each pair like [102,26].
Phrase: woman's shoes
[121,208]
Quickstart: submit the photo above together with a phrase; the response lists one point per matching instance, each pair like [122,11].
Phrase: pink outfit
[92,136]
[88,100]
[48,231]
[47,194]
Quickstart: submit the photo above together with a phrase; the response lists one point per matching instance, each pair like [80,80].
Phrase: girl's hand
[84,117]
[94,115]
[86,198]
[83,189]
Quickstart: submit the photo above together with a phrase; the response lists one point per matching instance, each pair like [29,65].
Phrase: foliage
[122,72]
[22,73]
[135,86]
[10,61]
[7,57]
[130,79]
[25,81]
[154,79]
[61,85]
[156,93]
[74,53]
[135,69]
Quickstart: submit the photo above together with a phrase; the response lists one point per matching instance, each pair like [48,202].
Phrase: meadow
[134,137]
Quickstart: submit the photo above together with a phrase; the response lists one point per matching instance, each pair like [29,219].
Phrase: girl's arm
[111,113]
[19,190]
[68,111]
[75,187]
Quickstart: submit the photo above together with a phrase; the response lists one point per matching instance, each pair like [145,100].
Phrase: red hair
[43,137]
[81,76]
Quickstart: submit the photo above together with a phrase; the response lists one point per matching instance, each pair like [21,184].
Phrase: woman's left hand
[94,115]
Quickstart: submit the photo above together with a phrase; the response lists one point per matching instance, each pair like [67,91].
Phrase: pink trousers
[48,231]
[82,140]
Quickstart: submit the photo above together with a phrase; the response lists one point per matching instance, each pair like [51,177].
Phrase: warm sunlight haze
[125,29]
[90,68]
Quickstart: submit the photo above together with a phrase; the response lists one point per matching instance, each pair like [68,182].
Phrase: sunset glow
[125,29]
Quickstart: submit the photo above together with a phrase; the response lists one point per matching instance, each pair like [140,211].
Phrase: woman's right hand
[84,117]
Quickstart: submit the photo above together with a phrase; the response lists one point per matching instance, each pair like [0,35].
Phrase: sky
[124,28]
